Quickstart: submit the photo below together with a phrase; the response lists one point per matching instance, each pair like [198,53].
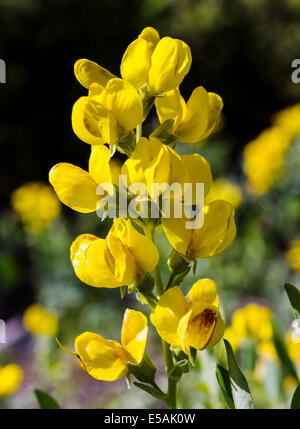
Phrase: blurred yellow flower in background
[36,205]
[11,377]
[224,189]
[293,255]
[293,347]
[264,160]
[288,120]
[252,321]
[107,359]
[40,321]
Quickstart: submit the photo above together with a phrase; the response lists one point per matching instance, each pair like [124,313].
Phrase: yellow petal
[125,269]
[99,167]
[134,334]
[122,99]
[170,105]
[199,171]
[93,123]
[218,333]
[176,232]
[215,107]
[11,377]
[74,187]
[201,325]
[136,62]
[89,260]
[171,61]
[181,331]
[151,35]
[204,290]
[87,72]
[103,359]
[194,123]
[166,316]
[217,232]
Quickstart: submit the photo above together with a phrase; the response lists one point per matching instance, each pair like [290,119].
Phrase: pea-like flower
[224,189]
[217,232]
[192,321]
[195,120]
[161,64]
[107,360]
[121,259]
[77,188]
[40,321]
[107,113]
[11,377]
[154,164]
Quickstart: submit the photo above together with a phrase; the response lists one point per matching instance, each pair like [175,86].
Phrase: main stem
[172,384]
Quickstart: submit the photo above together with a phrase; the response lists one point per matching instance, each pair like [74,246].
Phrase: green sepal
[127,143]
[177,263]
[163,132]
[178,369]
[122,291]
[147,100]
[193,356]
[145,371]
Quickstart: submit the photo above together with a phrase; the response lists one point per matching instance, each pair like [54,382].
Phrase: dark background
[241,49]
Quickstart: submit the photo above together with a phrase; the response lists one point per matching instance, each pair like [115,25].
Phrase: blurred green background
[242,50]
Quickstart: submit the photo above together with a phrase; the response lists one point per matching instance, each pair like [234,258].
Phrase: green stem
[172,384]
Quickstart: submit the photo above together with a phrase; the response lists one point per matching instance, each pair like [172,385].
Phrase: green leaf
[145,371]
[225,385]
[46,402]
[282,352]
[295,405]
[152,390]
[294,297]
[239,386]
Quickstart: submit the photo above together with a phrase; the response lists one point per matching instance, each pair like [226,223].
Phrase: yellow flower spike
[184,322]
[115,261]
[36,205]
[77,188]
[217,232]
[194,120]
[93,123]
[11,377]
[170,63]
[224,189]
[123,101]
[106,359]
[40,321]
[88,72]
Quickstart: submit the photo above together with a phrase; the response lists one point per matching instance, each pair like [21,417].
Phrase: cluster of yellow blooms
[36,204]
[112,113]
[264,157]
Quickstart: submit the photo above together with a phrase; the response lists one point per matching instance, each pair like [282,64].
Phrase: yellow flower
[119,260]
[195,120]
[153,162]
[40,321]
[192,321]
[251,321]
[107,359]
[226,190]
[264,160]
[288,120]
[293,255]
[11,377]
[77,188]
[217,233]
[36,204]
[107,113]
[162,64]
[266,351]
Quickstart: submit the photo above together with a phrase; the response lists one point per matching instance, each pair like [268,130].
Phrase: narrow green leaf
[295,405]
[46,402]
[294,297]
[152,390]
[225,385]
[239,386]
[282,352]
